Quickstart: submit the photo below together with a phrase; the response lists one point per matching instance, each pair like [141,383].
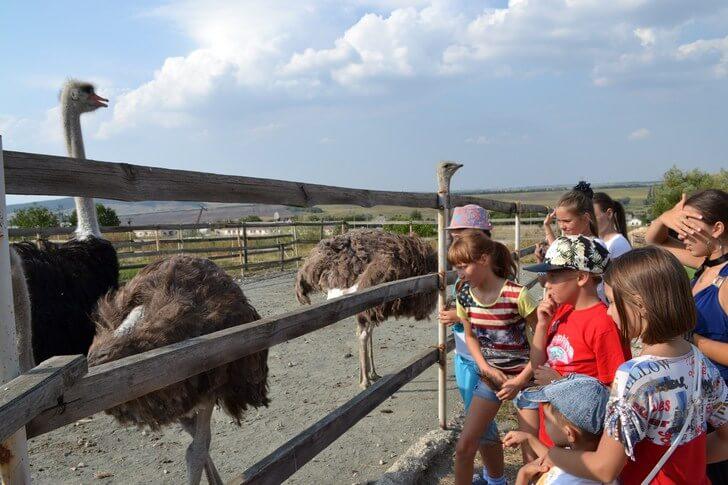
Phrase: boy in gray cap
[574,409]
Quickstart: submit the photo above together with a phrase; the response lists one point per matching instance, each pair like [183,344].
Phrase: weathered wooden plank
[116,382]
[497,205]
[294,454]
[37,174]
[29,394]
[210,249]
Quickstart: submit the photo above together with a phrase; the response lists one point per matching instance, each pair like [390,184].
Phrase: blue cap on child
[581,399]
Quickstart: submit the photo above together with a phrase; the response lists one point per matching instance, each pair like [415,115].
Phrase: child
[495,312]
[655,425]
[611,224]
[574,214]
[571,423]
[466,370]
[574,333]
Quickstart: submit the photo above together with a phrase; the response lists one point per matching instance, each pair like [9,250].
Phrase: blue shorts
[467,377]
[484,392]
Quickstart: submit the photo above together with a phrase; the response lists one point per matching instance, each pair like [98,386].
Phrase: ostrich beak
[98,101]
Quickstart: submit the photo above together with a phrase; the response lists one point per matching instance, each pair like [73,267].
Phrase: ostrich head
[445,171]
[80,97]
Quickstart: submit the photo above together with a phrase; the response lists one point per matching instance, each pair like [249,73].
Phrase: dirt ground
[309,377]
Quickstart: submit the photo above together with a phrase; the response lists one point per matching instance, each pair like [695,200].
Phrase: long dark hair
[712,204]
[579,200]
[620,219]
[473,244]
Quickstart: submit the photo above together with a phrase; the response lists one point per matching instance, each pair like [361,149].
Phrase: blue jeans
[467,377]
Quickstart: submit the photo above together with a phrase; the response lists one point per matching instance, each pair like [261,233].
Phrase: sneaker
[478,479]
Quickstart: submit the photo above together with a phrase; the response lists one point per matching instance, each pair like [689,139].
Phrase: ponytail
[473,244]
[580,201]
[618,214]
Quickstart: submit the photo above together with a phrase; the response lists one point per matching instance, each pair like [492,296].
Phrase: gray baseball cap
[581,399]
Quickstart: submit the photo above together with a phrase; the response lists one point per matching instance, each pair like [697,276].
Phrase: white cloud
[639,134]
[479,140]
[276,50]
[326,140]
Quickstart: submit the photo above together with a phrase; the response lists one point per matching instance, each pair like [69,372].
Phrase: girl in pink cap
[466,370]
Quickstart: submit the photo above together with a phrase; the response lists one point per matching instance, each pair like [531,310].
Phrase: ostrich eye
[87,89]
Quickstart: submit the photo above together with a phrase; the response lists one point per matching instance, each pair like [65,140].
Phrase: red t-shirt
[583,342]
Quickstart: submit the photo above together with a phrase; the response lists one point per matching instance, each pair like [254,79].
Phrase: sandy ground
[309,377]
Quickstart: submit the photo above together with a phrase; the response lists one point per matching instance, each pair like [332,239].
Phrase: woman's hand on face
[544,375]
[683,220]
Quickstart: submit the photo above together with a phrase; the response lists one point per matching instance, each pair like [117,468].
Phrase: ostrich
[65,281]
[170,301]
[362,258]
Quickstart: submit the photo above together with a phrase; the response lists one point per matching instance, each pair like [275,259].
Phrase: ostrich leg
[198,453]
[373,376]
[363,337]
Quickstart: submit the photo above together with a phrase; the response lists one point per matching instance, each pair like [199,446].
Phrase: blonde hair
[580,201]
[473,244]
[659,280]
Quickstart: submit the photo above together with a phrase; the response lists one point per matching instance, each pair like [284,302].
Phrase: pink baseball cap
[470,216]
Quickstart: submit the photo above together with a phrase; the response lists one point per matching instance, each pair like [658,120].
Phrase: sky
[373,93]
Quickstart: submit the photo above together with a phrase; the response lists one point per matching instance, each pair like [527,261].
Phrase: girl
[701,223]
[660,401]
[611,224]
[466,370]
[574,214]
[495,312]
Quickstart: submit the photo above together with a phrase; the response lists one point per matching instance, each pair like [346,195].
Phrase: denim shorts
[484,392]
[467,376]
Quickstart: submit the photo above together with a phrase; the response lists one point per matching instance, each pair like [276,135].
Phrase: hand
[514,439]
[546,310]
[448,317]
[540,251]
[683,220]
[528,472]
[544,375]
[549,218]
[509,389]
[495,378]
[545,461]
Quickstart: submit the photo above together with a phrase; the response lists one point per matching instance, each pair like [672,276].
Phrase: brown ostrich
[363,258]
[170,301]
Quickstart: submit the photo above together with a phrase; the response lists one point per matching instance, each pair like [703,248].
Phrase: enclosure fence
[62,390]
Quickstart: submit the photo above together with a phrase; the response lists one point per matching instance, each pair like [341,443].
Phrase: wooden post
[156,238]
[283,256]
[180,242]
[245,247]
[410,228]
[240,252]
[517,242]
[14,465]
[445,171]
[322,231]
[131,241]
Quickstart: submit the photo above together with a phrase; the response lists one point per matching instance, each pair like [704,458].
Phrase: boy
[570,422]
[574,334]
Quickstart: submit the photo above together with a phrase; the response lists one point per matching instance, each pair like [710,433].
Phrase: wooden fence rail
[116,382]
[38,174]
[30,393]
[295,453]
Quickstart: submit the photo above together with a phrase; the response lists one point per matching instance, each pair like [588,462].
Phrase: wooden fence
[60,391]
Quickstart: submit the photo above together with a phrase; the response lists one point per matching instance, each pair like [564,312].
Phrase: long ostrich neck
[87,221]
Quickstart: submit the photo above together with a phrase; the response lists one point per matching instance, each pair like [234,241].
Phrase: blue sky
[373,93]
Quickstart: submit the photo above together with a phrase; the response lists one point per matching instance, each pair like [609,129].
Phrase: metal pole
[14,467]
[445,171]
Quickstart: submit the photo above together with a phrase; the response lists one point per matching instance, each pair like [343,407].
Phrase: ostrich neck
[87,221]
